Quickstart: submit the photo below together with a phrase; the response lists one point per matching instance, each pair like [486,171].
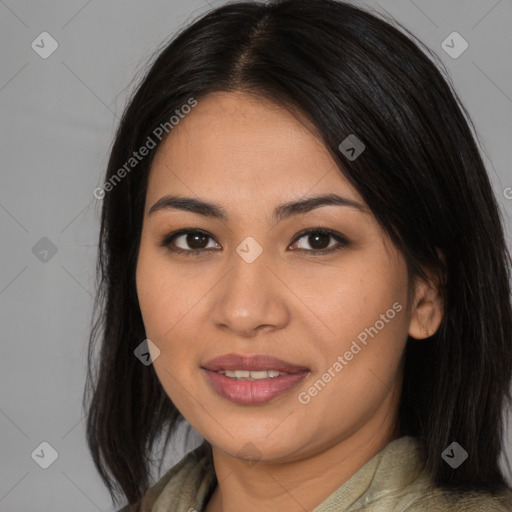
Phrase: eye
[195,241]
[318,239]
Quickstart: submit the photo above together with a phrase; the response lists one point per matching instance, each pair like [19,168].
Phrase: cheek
[169,302]
[168,315]
[364,308]
[359,367]
[155,293]
[353,297]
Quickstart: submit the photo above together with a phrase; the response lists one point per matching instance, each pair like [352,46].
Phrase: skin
[249,155]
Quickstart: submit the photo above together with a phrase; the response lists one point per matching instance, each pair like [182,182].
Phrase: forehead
[235,147]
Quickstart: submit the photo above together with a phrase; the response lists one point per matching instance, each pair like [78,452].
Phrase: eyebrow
[281,212]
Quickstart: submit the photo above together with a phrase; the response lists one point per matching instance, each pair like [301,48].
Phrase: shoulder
[440,500]
[417,493]
[191,467]
[410,488]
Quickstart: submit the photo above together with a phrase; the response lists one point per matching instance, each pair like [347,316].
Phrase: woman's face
[250,284]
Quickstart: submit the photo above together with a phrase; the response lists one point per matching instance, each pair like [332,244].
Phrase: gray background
[58,117]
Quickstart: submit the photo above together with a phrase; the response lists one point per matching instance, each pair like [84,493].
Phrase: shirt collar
[191,482]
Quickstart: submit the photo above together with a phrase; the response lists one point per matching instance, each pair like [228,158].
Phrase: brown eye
[187,242]
[195,240]
[318,241]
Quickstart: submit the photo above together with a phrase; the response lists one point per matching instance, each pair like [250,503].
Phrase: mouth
[252,379]
[256,363]
[252,375]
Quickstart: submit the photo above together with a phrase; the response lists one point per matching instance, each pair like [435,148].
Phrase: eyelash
[168,239]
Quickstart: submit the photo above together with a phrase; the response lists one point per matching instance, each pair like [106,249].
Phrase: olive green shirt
[392,481]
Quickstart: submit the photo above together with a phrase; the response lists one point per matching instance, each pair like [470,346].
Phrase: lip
[254,392]
[251,363]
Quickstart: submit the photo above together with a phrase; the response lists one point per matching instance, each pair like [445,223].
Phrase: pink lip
[257,391]
[257,362]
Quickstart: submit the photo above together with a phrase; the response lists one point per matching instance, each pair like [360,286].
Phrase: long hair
[347,71]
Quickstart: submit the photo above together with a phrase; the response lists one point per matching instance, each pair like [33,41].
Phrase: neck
[304,483]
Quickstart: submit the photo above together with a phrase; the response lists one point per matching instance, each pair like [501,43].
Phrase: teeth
[251,375]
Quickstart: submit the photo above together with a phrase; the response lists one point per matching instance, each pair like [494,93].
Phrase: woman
[300,255]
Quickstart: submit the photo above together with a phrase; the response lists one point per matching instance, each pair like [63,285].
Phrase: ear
[427,309]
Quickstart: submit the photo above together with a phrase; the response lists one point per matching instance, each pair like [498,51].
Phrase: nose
[251,298]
